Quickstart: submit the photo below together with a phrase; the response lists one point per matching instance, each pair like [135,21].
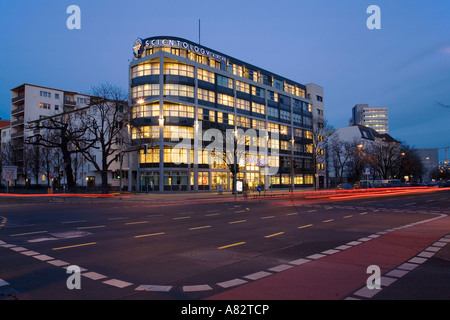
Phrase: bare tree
[340,153]
[64,133]
[31,163]
[104,124]
[387,157]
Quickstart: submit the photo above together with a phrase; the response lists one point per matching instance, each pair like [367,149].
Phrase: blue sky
[404,66]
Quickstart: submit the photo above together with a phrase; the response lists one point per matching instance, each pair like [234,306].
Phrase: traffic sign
[9,173]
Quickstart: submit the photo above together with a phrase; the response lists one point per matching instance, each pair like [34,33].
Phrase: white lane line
[58,263]
[281,267]
[94,275]
[331,251]
[153,288]
[231,283]
[299,261]
[397,273]
[69,222]
[196,288]
[117,283]
[43,257]
[316,256]
[258,275]
[19,249]
[408,266]
[29,253]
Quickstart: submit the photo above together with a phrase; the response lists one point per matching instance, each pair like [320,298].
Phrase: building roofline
[232,59]
[50,88]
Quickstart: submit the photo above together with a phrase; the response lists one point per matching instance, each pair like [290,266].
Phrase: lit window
[206,75]
[179,69]
[225,100]
[243,104]
[258,108]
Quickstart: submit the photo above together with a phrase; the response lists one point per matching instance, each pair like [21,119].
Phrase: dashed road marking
[231,245]
[198,228]
[75,246]
[150,235]
[274,235]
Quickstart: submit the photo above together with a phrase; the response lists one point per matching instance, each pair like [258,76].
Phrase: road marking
[25,234]
[200,287]
[274,235]
[120,218]
[91,227]
[180,218]
[241,211]
[75,246]
[363,213]
[326,221]
[150,235]
[231,283]
[239,221]
[154,288]
[69,222]
[312,210]
[212,214]
[306,226]
[231,245]
[197,228]
[94,275]
[154,215]
[346,217]
[117,283]
[137,222]
[269,217]
[292,214]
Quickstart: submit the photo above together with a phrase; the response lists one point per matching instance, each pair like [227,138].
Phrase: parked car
[344,186]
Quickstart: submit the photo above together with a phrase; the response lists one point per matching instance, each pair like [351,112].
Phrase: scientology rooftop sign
[141,44]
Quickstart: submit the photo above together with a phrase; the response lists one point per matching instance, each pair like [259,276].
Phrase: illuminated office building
[371,117]
[177,85]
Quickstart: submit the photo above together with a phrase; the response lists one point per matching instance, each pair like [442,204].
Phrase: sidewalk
[337,275]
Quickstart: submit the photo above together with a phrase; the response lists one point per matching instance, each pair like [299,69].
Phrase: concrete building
[33,103]
[348,144]
[371,117]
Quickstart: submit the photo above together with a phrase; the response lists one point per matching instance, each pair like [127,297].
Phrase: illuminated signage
[140,45]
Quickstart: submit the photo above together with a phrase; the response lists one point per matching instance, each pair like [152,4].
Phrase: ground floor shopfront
[151,180]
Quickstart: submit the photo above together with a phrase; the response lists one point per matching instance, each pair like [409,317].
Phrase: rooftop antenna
[199,28]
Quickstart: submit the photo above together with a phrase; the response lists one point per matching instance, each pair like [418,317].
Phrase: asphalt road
[191,250]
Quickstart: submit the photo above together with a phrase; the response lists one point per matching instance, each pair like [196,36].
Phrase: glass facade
[180,90]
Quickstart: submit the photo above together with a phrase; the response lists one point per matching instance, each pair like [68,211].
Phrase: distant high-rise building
[372,117]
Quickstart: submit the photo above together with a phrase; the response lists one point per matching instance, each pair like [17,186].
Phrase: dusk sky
[404,66]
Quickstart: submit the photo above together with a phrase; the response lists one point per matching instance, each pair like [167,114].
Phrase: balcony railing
[18,110]
[17,123]
[18,98]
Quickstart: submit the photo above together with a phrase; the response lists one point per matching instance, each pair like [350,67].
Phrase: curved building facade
[180,89]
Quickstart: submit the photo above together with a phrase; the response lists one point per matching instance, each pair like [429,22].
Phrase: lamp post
[292,165]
